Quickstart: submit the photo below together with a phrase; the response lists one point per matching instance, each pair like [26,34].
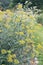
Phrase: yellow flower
[25,17]
[16,33]
[1,18]
[9,55]
[33,30]
[1,13]
[23,26]
[39,46]
[3,51]
[29,31]
[16,61]
[28,40]
[8,10]
[1,30]
[13,55]
[9,51]
[31,17]
[19,6]
[7,26]
[21,42]
[9,59]
[27,27]
[33,36]
[21,33]
[17,20]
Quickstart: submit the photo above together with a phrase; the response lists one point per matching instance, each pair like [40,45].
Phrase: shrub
[20,37]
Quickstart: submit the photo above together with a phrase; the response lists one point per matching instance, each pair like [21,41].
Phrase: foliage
[38,3]
[20,37]
[11,3]
[40,18]
[6,4]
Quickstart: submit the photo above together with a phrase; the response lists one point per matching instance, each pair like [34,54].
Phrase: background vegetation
[12,3]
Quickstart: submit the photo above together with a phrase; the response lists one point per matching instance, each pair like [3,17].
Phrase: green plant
[40,18]
[20,37]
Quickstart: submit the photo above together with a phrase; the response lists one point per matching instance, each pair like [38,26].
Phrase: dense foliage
[40,18]
[11,3]
[21,37]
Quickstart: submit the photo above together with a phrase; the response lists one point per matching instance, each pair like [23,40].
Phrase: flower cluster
[20,37]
